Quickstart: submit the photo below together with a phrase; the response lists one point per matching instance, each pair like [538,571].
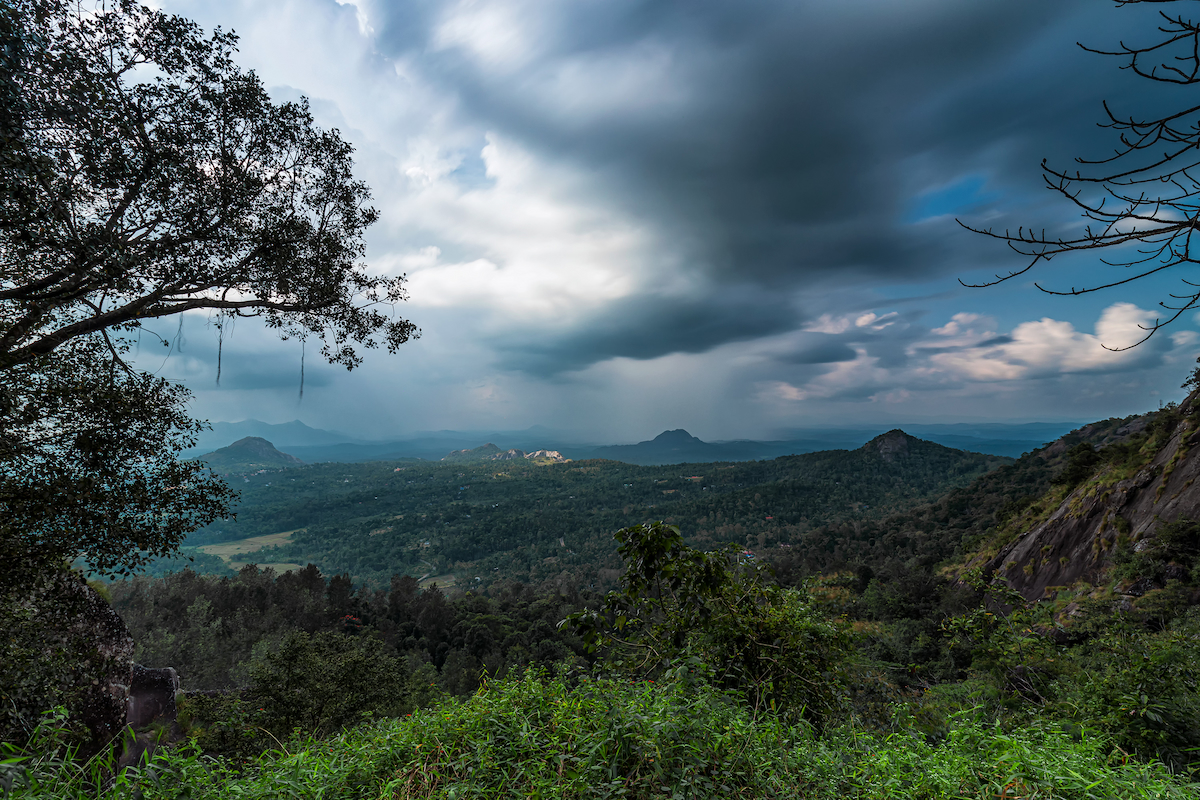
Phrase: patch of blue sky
[1011,303]
[965,194]
[471,173]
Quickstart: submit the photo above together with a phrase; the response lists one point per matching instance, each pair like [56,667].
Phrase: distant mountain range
[315,445]
[286,434]
[679,446]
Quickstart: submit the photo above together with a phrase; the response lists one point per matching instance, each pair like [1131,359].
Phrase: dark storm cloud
[820,348]
[644,328]
[797,143]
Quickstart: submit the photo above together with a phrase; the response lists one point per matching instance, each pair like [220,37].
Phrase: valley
[481,520]
[500,255]
[927,597]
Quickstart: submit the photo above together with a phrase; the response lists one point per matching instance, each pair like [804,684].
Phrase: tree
[1142,199]
[89,466]
[142,175]
[327,681]
[128,200]
[686,613]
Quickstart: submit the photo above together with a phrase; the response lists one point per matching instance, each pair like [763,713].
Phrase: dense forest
[483,522]
[912,647]
[850,660]
[213,628]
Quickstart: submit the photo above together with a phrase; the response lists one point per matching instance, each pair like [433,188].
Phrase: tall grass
[542,737]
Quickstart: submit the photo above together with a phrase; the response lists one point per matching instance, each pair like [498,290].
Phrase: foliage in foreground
[725,620]
[544,737]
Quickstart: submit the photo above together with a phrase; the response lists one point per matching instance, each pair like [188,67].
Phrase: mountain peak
[891,445]
[474,454]
[676,437]
[250,451]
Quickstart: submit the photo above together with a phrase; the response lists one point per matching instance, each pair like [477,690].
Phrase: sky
[618,217]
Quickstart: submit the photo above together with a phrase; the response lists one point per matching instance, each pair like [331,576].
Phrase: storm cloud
[745,193]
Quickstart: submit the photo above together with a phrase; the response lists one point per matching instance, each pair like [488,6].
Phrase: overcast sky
[623,216]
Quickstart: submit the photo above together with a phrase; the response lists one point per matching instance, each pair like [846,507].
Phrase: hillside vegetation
[554,522]
[247,455]
[541,737]
[868,659]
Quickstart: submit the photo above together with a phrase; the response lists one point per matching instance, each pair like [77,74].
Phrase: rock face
[67,647]
[83,659]
[151,696]
[102,707]
[546,456]
[1076,541]
[490,452]
[890,445]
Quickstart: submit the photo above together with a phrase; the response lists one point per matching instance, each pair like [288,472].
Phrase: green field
[229,552]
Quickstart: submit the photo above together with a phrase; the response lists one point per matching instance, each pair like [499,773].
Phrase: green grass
[540,737]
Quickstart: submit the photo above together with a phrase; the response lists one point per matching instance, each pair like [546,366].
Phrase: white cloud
[967,358]
[875,322]
[830,323]
[500,35]
[840,323]
[1048,346]
[959,323]
[544,247]
[862,376]
[364,24]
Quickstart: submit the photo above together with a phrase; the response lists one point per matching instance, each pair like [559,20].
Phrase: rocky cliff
[490,452]
[1142,477]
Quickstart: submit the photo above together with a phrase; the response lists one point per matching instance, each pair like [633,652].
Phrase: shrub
[683,612]
[326,681]
[1144,690]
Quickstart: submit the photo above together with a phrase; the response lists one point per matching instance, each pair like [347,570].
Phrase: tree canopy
[143,174]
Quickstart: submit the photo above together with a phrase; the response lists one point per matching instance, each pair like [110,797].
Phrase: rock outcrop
[73,649]
[65,646]
[1077,540]
[151,696]
[890,445]
[546,456]
[490,452]
[102,707]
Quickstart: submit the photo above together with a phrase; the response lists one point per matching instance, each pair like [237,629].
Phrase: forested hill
[247,455]
[475,523]
[953,525]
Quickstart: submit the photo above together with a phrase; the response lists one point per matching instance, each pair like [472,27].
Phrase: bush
[541,737]
[1144,690]
[681,611]
[326,681]
[1081,463]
